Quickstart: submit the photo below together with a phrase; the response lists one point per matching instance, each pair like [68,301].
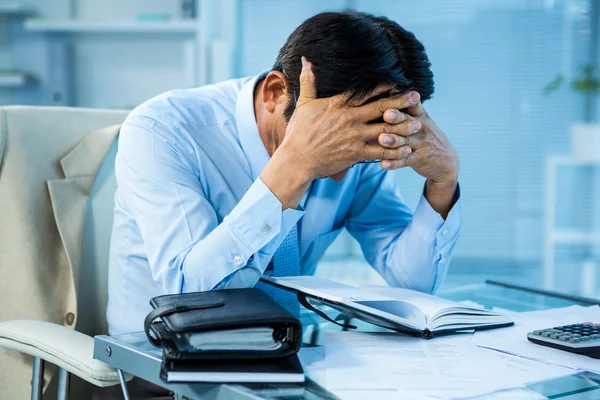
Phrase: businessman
[221,184]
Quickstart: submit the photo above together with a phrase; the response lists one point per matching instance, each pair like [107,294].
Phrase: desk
[132,353]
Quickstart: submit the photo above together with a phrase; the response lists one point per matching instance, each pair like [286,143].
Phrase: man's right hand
[327,135]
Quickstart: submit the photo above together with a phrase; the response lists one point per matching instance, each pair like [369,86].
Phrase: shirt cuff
[255,222]
[258,218]
[430,224]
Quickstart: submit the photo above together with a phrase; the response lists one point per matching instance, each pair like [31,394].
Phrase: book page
[327,289]
[401,313]
[430,305]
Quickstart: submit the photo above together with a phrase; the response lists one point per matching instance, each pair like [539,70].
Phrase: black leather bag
[175,317]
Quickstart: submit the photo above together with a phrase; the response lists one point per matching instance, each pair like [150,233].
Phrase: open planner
[398,309]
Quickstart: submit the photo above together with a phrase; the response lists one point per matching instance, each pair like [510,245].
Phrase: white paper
[444,367]
[235,339]
[528,371]
[379,394]
[513,340]
[523,370]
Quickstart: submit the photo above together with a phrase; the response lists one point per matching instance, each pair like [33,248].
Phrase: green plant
[587,83]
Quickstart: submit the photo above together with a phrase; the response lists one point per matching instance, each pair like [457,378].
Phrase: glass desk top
[133,354]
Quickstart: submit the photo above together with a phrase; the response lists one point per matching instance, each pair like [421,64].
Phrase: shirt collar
[252,145]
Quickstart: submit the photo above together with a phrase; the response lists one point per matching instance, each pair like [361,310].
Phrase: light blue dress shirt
[192,214]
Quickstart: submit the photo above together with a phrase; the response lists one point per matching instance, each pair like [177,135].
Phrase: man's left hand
[432,155]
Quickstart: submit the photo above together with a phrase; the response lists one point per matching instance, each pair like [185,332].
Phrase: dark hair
[352,52]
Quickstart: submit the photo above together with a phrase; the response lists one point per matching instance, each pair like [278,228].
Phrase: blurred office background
[531,203]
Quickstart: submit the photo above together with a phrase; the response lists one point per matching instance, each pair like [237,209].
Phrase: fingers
[379,89]
[391,141]
[416,110]
[399,154]
[406,128]
[394,116]
[308,87]
[377,152]
[401,163]
[377,108]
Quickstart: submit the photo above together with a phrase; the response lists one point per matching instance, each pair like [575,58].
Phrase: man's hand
[328,136]
[432,155]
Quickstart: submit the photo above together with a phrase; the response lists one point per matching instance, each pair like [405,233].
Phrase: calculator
[583,338]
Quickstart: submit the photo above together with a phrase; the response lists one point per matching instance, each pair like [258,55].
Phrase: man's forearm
[441,196]
[286,177]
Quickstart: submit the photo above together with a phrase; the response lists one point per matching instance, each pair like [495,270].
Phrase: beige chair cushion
[61,346]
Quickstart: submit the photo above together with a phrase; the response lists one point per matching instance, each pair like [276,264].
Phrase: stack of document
[497,363]
[389,365]
[513,340]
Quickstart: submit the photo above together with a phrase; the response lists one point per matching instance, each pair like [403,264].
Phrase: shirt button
[444,232]
[442,260]
[266,228]
[237,260]
[70,318]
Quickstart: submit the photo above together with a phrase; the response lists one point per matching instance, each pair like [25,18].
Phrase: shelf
[566,236]
[12,8]
[12,79]
[83,26]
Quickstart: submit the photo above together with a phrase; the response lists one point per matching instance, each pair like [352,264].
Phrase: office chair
[68,349]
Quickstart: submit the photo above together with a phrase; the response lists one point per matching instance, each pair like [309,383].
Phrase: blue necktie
[286,262]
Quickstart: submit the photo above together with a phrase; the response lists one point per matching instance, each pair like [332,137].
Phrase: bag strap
[304,301]
[173,308]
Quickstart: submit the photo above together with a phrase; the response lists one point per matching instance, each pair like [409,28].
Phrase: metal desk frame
[144,361]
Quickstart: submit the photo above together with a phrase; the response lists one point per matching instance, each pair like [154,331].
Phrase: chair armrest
[64,347]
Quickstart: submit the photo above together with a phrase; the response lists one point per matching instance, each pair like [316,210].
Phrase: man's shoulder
[195,107]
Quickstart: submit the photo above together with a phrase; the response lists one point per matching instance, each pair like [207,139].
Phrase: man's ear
[275,90]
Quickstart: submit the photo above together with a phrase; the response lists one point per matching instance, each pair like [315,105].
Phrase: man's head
[352,52]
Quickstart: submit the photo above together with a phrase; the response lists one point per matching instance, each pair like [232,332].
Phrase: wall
[491,60]
[107,70]
[5,58]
